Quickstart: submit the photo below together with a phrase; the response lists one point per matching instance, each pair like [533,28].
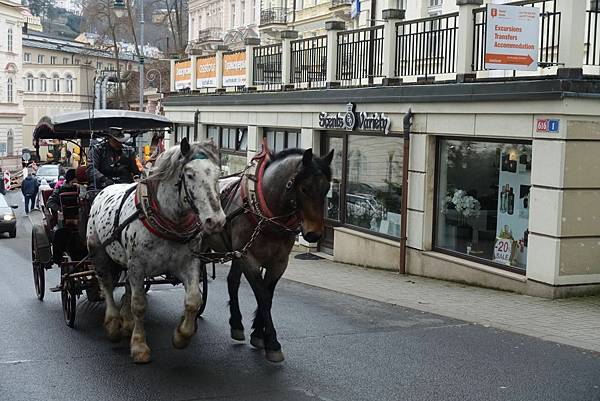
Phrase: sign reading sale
[512,37]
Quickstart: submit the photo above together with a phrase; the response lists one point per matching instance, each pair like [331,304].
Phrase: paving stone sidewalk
[571,321]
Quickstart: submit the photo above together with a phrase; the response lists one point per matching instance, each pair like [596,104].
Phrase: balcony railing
[309,61]
[339,3]
[267,66]
[273,15]
[210,35]
[360,55]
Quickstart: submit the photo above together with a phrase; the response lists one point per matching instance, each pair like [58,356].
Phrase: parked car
[50,173]
[8,218]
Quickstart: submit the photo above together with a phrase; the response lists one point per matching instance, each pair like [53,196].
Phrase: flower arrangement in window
[465,205]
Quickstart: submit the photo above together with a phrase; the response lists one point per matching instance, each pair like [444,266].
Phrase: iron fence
[592,50]
[273,15]
[267,66]
[426,46]
[549,33]
[360,54]
[309,61]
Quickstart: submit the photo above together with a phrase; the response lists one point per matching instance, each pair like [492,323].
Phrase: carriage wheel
[39,273]
[203,288]
[69,299]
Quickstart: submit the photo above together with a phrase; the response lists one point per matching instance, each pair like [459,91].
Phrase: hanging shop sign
[234,69]
[512,37]
[206,72]
[183,74]
[351,120]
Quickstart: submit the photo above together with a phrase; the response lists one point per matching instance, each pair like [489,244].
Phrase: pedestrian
[68,158]
[40,199]
[34,166]
[2,189]
[25,172]
[29,188]
[61,180]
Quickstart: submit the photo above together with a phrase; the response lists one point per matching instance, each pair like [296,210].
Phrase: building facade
[11,91]
[59,76]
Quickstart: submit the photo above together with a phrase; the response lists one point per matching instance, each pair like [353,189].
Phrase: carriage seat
[46,194]
[69,207]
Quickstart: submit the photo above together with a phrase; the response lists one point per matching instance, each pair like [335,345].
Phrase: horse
[178,203]
[264,209]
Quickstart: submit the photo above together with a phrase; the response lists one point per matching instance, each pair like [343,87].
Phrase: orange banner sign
[234,69]
[206,72]
[183,74]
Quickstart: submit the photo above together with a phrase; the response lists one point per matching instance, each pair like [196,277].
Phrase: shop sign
[234,69]
[351,120]
[503,251]
[206,72]
[512,36]
[546,125]
[183,74]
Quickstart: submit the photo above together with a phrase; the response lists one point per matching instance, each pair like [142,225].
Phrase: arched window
[69,82]
[55,83]
[10,143]
[43,83]
[9,42]
[9,90]
[29,82]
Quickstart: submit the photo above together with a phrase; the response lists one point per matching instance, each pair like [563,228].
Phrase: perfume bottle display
[510,208]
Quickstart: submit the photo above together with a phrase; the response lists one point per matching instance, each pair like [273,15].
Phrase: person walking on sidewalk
[29,187]
[2,189]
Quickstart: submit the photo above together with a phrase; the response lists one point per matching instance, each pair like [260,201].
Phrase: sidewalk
[571,321]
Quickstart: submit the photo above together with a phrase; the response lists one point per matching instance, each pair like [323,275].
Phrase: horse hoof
[179,341]
[274,356]
[238,334]
[113,329]
[257,342]
[141,357]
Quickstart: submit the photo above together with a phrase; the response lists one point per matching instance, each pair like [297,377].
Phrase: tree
[175,18]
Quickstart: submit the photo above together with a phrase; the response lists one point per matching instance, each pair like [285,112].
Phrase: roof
[47,42]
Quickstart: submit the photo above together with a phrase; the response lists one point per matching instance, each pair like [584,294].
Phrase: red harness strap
[157,223]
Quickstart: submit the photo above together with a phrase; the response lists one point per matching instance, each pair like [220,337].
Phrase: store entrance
[334,197]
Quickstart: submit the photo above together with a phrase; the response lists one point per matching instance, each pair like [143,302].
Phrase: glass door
[334,199]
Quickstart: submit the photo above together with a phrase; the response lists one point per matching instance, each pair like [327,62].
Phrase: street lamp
[120,11]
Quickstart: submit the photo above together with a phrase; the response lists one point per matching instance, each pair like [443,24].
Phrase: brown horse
[285,193]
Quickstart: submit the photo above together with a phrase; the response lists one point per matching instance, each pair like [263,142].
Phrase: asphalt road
[337,347]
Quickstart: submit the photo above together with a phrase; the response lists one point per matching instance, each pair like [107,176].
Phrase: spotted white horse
[178,202]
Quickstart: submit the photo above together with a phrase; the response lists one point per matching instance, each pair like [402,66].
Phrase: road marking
[15,362]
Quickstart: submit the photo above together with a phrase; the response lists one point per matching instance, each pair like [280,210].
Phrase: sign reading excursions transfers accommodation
[512,37]
[234,69]
[206,72]
[183,74]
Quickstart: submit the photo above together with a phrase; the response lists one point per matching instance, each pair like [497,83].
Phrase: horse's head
[311,185]
[199,179]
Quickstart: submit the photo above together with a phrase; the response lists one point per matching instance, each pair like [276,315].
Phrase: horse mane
[318,166]
[169,164]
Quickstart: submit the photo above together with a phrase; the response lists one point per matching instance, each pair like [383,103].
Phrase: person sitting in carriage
[60,240]
[112,162]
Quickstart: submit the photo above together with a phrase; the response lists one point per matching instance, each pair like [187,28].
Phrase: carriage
[77,274]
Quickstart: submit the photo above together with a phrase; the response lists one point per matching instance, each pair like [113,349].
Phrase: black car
[8,218]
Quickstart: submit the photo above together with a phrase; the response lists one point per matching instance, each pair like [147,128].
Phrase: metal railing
[426,46]
[267,66]
[360,54]
[592,50]
[210,34]
[549,33]
[273,15]
[309,61]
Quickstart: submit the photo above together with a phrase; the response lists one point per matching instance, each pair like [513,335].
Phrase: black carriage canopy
[80,124]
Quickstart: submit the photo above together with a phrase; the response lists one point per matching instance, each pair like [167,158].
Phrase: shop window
[366,185]
[482,200]
[233,144]
[279,140]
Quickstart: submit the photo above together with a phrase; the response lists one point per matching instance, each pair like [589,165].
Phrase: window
[10,143]
[52,59]
[55,83]
[233,144]
[65,60]
[40,59]
[366,185]
[43,83]
[30,83]
[282,139]
[9,90]
[77,61]
[9,43]
[69,83]
[27,57]
[482,201]
[232,23]
[435,3]
[243,13]
[98,65]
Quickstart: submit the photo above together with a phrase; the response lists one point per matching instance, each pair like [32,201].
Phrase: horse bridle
[181,184]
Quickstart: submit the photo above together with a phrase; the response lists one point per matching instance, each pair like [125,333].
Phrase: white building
[222,22]
[11,92]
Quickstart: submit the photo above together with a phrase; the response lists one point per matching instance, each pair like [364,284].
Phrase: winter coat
[108,165]
[30,186]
